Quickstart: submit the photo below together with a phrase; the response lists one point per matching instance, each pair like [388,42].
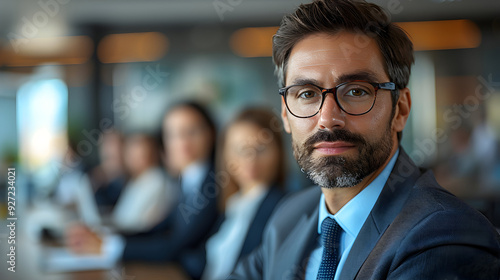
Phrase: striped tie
[330,240]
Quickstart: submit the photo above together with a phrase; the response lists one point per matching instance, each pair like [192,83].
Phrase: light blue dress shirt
[351,218]
[192,178]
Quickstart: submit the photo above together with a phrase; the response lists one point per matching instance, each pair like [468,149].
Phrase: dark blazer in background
[187,227]
[416,230]
[107,196]
[254,234]
[195,261]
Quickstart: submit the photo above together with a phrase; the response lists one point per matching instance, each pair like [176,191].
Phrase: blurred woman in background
[252,158]
[189,140]
[146,198]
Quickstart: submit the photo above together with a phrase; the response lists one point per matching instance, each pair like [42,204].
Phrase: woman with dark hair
[189,140]
[251,168]
[188,136]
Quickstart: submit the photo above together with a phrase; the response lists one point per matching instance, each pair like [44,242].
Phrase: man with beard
[344,68]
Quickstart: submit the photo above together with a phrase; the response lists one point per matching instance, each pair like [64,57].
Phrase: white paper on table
[63,260]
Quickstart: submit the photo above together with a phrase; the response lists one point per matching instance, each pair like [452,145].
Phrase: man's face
[334,148]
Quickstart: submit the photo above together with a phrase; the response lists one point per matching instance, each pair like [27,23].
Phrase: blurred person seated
[189,140]
[147,197]
[72,175]
[252,156]
[47,218]
[469,160]
[109,177]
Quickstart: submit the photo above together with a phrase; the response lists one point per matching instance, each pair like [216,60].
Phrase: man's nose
[331,116]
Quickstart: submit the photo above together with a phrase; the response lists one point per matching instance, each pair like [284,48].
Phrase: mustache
[332,136]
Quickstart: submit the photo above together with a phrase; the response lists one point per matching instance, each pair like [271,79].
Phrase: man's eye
[356,92]
[307,94]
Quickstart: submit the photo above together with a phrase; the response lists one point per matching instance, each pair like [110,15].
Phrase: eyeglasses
[355,98]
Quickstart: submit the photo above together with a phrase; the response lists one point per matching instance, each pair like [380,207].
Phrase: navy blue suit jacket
[187,227]
[416,230]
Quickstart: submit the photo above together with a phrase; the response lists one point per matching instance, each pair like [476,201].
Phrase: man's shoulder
[301,201]
[428,196]
[430,229]
[295,205]
[414,193]
[432,211]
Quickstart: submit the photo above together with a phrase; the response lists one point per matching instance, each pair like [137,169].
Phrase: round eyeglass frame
[388,86]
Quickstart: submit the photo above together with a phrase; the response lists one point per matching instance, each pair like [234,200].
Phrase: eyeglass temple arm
[389,86]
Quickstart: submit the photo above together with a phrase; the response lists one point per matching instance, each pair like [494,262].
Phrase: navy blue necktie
[330,240]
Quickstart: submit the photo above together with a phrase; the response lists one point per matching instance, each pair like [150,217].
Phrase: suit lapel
[360,250]
[388,205]
[292,258]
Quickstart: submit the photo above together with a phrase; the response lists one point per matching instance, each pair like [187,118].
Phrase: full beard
[343,171]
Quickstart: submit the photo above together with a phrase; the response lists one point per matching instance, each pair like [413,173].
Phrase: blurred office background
[74,69]
[79,67]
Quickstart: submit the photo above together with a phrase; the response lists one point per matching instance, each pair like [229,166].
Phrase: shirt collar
[251,199]
[195,167]
[193,175]
[353,215]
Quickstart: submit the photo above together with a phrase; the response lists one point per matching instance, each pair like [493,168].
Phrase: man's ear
[402,112]
[284,116]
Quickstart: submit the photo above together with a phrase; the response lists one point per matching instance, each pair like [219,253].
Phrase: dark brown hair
[332,16]
[357,16]
[271,126]
[203,113]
